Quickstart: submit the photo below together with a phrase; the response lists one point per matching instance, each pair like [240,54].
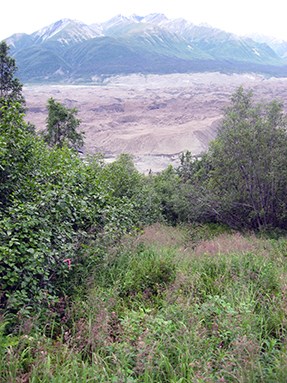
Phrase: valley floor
[152,117]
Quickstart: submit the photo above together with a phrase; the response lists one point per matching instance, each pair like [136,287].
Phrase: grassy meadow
[173,304]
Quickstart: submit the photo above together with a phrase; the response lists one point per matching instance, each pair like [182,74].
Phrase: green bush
[54,207]
[241,180]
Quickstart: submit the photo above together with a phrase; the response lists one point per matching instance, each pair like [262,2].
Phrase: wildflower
[68,261]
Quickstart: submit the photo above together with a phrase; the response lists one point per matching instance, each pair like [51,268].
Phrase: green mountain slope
[69,50]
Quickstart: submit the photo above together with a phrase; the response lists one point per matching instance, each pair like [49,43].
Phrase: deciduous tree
[10,86]
[62,125]
[249,158]
[242,179]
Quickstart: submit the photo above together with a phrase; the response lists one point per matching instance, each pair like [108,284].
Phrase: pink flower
[68,261]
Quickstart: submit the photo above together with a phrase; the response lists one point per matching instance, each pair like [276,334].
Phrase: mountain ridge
[72,51]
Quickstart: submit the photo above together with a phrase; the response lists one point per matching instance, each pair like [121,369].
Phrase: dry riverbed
[153,117]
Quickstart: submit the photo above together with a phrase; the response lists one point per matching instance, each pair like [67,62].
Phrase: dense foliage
[52,205]
[241,181]
[10,86]
[62,125]
[186,310]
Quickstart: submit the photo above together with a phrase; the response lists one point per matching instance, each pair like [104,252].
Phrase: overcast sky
[238,16]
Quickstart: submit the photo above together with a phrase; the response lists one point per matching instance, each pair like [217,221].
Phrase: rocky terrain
[152,117]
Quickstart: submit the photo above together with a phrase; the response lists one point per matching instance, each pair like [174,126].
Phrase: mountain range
[74,52]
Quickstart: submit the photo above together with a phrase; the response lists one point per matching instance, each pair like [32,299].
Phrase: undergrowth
[203,308]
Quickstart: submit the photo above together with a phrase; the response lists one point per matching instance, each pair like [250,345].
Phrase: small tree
[10,87]
[242,179]
[62,126]
[249,164]
[15,150]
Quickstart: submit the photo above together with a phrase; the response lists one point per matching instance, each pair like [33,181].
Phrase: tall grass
[192,311]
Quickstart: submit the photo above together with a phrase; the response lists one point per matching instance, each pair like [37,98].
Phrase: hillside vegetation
[166,306]
[108,275]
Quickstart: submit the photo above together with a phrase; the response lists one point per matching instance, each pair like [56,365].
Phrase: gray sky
[238,16]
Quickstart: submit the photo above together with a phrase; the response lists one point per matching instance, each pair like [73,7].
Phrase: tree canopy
[62,125]
[10,86]
[242,179]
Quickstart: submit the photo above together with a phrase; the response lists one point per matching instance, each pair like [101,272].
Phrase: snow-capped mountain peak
[52,29]
[119,20]
[154,18]
[66,31]
[140,44]
[278,45]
